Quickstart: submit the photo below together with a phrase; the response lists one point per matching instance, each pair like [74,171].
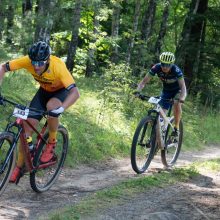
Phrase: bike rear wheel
[172,149]
[6,141]
[43,177]
[143,144]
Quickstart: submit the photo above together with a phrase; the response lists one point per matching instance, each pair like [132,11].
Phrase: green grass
[199,128]
[209,165]
[101,125]
[113,196]
[102,122]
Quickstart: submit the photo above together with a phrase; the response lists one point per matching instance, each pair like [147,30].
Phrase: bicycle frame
[160,112]
[20,134]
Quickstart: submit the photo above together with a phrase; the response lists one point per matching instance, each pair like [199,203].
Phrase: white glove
[140,87]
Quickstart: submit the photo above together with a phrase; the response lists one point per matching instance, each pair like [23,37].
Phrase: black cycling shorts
[42,97]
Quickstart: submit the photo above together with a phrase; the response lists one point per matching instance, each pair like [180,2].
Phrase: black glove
[1,100]
[136,93]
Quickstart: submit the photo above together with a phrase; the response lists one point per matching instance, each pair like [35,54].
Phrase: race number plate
[21,113]
[153,100]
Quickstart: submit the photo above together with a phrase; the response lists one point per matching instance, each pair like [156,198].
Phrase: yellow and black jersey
[54,78]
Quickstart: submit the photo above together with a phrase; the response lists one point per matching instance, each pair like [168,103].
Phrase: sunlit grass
[100,129]
[209,165]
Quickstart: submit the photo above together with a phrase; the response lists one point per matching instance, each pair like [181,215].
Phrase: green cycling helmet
[167,57]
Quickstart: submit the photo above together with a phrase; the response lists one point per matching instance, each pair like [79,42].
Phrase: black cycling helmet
[39,51]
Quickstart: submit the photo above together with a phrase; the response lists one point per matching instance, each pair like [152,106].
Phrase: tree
[2,16]
[115,30]
[90,63]
[148,20]
[74,38]
[192,39]
[44,20]
[10,22]
[162,31]
[26,7]
[134,29]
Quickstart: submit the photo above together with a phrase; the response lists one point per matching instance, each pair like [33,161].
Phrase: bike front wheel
[7,159]
[45,175]
[170,153]
[143,144]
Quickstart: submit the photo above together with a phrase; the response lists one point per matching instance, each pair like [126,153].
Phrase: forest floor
[197,199]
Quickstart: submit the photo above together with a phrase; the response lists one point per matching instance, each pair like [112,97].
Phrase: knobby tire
[169,156]
[6,141]
[42,179]
[144,144]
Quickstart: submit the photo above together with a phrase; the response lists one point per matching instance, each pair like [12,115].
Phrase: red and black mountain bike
[42,175]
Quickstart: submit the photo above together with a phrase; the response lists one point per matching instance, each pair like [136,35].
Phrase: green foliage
[3,54]
[59,42]
[95,34]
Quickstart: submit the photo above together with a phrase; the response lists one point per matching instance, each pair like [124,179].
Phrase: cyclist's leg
[54,102]
[34,120]
[28,132]
[167,95]
[177,110]
[53,122]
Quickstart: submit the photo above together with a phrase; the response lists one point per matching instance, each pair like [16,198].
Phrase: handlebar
[32,111]
[146,98]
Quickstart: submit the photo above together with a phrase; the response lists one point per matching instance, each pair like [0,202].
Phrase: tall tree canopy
[93,35]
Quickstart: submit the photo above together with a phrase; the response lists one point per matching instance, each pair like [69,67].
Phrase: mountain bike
[152,134]
[42,175]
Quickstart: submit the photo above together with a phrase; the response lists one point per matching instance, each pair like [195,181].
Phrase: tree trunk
[2,16]
[10,23]
[74,39]
[90,64]
[115,30]
[188,50]
[134,30]
[162,31]
[44,20]
[26,7]
[148,20]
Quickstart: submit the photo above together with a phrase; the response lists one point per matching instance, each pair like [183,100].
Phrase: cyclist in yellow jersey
[57,92]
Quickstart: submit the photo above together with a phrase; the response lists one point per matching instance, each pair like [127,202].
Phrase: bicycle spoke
[172,147]
[45,176]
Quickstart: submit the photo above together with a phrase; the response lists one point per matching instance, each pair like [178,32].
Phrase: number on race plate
[21,113]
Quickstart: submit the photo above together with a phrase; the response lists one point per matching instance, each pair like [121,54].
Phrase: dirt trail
[198,199]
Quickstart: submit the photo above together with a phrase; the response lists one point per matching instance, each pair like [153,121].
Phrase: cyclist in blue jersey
[173,85]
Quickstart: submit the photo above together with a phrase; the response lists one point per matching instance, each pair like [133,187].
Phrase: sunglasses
[166,65]
[38,63]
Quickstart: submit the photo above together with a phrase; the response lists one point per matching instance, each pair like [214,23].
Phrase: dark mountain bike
[152,134]
[42,175]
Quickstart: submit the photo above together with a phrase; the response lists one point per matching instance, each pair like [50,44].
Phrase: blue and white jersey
[170,80]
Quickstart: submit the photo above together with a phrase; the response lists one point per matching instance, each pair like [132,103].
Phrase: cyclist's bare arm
[182,86]
[3,70]
[145,80]
[71,98]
